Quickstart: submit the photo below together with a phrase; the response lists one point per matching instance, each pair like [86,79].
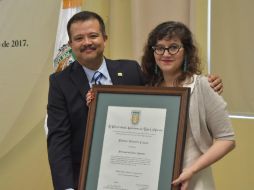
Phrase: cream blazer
[208,117]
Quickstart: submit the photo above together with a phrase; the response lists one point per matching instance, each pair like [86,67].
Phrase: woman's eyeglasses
[173,49]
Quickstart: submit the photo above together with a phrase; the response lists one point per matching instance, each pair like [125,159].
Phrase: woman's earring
[156,70]
[185,64]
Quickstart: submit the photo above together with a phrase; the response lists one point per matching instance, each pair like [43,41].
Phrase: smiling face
[87,43]
[168,63]
[170,55]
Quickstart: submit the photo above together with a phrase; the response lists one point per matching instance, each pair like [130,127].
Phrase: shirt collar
[103,69]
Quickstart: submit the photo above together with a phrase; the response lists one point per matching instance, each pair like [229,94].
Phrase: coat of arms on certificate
[135,116]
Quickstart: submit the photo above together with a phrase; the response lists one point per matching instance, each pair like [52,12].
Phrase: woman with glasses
[171,60]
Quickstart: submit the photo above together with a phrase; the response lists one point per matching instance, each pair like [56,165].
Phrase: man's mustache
[90,47]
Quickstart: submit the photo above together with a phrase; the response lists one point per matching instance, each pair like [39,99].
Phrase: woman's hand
[183,179]
[218,150]
[89,97]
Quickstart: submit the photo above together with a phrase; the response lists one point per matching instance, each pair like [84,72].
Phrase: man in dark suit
[67,110]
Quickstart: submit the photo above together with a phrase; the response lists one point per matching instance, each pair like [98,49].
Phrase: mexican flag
[62,53]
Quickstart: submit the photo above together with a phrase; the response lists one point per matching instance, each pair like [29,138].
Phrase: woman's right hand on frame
[183,179]
[89,97]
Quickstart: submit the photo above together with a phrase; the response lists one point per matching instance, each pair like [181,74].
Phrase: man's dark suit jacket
[67,115]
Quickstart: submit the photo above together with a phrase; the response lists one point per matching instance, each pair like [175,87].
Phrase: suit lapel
[79,78]
[114,71]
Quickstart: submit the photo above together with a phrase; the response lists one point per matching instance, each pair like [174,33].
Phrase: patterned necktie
[97,77]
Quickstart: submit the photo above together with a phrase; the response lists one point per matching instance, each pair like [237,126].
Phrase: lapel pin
[119,74]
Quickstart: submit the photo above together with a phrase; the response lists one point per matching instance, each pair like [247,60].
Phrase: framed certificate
[135,138]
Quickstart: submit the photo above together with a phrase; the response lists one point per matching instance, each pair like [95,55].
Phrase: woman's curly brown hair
[170,30]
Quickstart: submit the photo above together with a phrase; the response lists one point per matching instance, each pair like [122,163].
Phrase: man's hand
[89,97]
[216,83]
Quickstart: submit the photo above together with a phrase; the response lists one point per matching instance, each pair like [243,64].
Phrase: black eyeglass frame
[168,49]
